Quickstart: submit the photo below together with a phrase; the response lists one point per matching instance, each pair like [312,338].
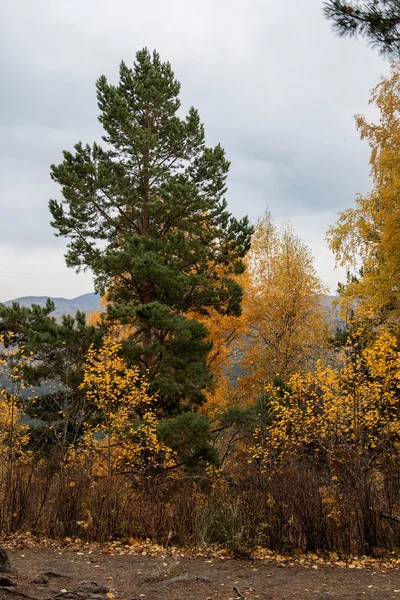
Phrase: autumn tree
[282,308]
[146,213]
[283,326]
[377,20]
[366,238]
[224,335]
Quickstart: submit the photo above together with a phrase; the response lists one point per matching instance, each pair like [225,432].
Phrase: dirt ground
[167,577]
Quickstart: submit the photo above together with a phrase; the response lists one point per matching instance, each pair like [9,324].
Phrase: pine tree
[146,213]
[377,20]
[53,397]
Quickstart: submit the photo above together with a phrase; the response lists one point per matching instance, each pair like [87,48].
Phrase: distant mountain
[86,303]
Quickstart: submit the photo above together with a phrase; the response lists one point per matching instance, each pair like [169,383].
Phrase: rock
[188,578]
[161,572]
[85,590]
[55,574]
[91,587]
[7,582]
[5,564]
[42,578]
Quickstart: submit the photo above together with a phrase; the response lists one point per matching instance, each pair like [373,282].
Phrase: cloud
[272,84]
[39,273]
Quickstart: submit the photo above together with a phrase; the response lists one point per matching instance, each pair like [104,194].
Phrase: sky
[272,84]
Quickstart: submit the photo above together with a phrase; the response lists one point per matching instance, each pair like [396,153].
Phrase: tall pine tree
[146,213]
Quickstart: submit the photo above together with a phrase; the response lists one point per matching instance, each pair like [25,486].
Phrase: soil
[169,577]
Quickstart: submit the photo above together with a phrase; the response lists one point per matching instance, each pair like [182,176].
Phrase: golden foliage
[282,307]
[282,327]
[224,332]
[126,438]
[368,235]
[323,410]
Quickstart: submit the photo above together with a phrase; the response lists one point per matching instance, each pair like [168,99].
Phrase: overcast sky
[272,84]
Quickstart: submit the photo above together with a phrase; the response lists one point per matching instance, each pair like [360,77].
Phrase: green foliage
[239,417]
[57,407]
[179,374]
[190,437]
[147,215]
[377,20]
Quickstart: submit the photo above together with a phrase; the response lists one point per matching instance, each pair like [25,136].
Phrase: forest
[214,399]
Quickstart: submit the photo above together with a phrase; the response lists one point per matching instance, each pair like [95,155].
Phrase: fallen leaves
[327,559]
[147,547]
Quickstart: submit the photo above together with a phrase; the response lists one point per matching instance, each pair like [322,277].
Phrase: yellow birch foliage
[357,405]
[126,438]
[285,322]
[368,235]
[282,326]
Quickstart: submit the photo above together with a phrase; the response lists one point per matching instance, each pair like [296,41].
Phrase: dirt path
[167,577]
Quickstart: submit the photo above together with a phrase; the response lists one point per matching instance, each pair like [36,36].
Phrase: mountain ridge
[90,302]
[86,303]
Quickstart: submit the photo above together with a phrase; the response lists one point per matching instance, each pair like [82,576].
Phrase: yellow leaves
[356,404]
[127,434]
[282,327]
[369,234]
[285,323]
[107,379]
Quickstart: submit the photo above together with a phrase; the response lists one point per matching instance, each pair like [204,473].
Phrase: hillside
[63,306]
[88,303]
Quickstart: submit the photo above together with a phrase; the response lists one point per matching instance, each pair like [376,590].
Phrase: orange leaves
[282,327]
[211,554]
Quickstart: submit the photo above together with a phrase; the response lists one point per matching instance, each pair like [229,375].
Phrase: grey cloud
[272,84]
